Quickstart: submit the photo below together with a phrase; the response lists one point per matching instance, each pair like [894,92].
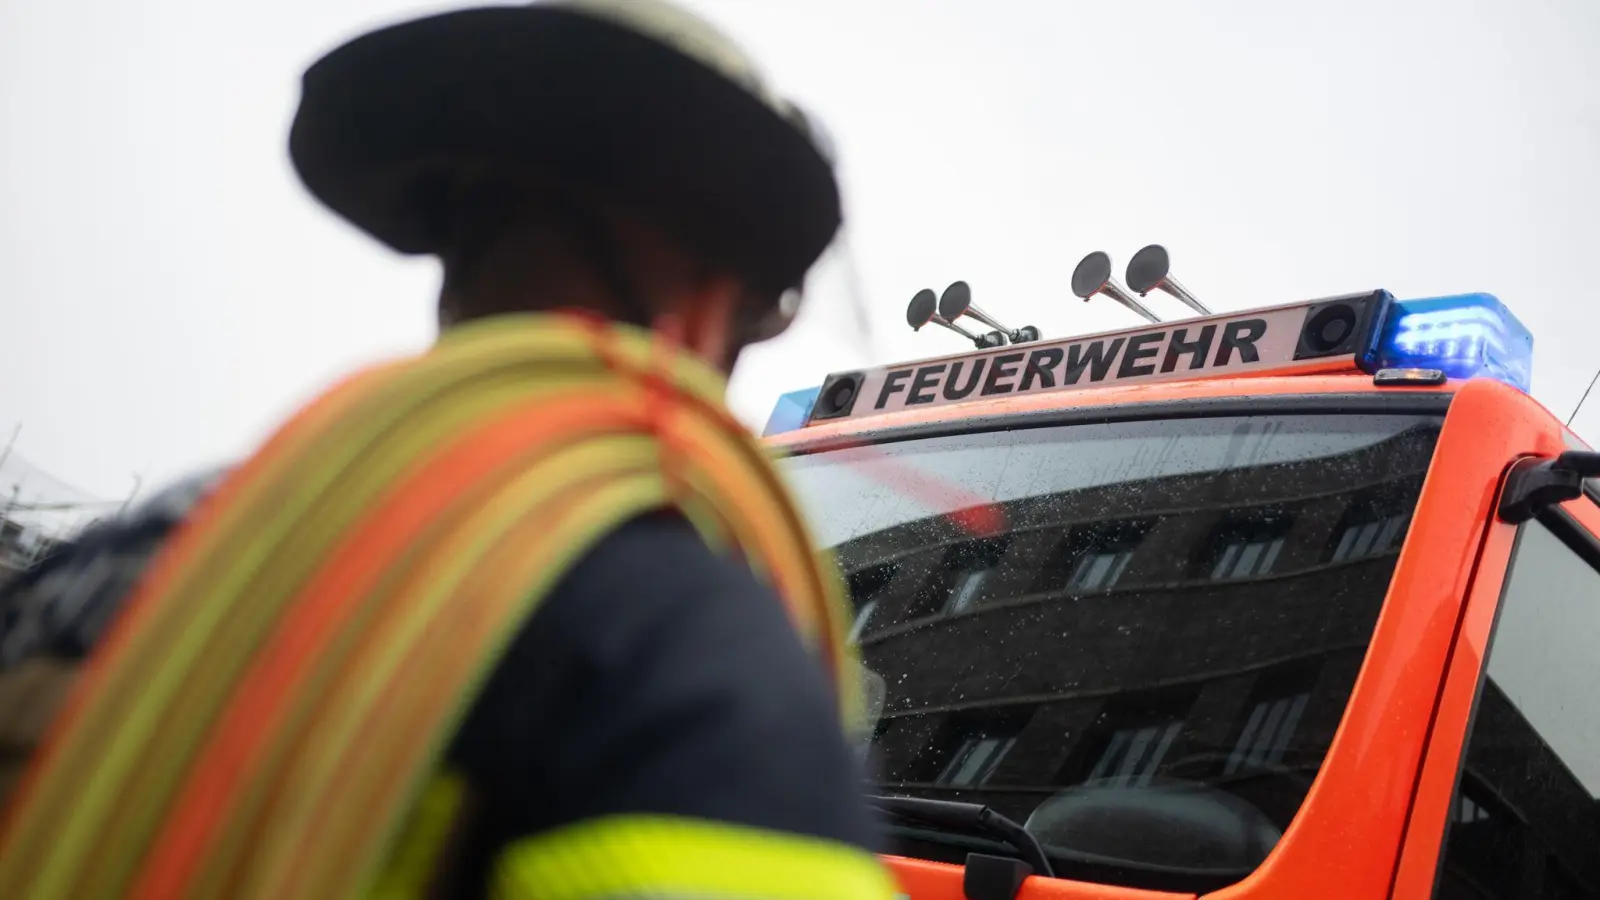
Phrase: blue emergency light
[1463,336]
[792,411]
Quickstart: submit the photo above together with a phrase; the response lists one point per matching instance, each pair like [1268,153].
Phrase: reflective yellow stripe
[687,859]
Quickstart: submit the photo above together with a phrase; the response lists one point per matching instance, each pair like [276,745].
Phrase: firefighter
[659,725]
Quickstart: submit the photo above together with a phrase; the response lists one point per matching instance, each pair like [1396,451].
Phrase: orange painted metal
[1515,427]
[924,880]
[1419,861]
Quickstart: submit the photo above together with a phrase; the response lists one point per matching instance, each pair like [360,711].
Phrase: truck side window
[1525,822]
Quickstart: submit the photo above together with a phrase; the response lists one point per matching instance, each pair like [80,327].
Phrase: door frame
[1423,845]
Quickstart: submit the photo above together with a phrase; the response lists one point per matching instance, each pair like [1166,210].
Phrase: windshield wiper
[969,818]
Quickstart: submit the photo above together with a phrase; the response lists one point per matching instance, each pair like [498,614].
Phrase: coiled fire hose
[264,714]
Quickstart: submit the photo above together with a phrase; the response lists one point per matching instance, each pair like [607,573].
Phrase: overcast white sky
[168,291]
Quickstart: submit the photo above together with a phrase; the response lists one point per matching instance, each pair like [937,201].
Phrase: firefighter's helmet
[637,100]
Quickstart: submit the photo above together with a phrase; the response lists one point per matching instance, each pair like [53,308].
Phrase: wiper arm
[968,817]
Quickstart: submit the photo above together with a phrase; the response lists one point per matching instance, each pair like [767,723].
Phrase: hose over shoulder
[263,715]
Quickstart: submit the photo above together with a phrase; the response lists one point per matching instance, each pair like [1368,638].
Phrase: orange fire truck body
[1248,620]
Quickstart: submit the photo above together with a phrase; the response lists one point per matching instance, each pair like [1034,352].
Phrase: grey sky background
[168,292]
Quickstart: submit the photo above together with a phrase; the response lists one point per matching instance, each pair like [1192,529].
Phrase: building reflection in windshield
[1199,626]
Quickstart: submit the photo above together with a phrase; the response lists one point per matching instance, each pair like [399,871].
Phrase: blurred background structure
[38,509]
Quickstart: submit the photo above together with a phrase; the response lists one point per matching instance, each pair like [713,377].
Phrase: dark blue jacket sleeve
[659,678]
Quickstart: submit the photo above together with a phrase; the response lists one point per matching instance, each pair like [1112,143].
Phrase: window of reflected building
[1372,525]
[1276,707]
[975,759]
[1090,558]
[1366,537]
[864,586]
[959,577]
[1130,739]
[1249,546]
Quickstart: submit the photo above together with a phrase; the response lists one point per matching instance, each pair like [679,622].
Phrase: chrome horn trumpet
[957,302]
[924,310]
[1093,276]
[1151,270]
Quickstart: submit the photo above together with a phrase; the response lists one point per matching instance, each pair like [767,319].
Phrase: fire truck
[1297,602]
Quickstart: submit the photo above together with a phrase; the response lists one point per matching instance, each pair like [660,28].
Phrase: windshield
[1142,647]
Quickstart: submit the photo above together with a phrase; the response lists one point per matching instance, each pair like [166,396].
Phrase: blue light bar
[1464,336]
[792,411]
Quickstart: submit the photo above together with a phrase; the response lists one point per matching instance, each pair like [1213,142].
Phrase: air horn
[957,302]
[1093,276]
[1151,270]
[924,309]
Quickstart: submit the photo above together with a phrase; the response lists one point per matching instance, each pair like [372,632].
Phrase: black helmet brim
[568,97]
